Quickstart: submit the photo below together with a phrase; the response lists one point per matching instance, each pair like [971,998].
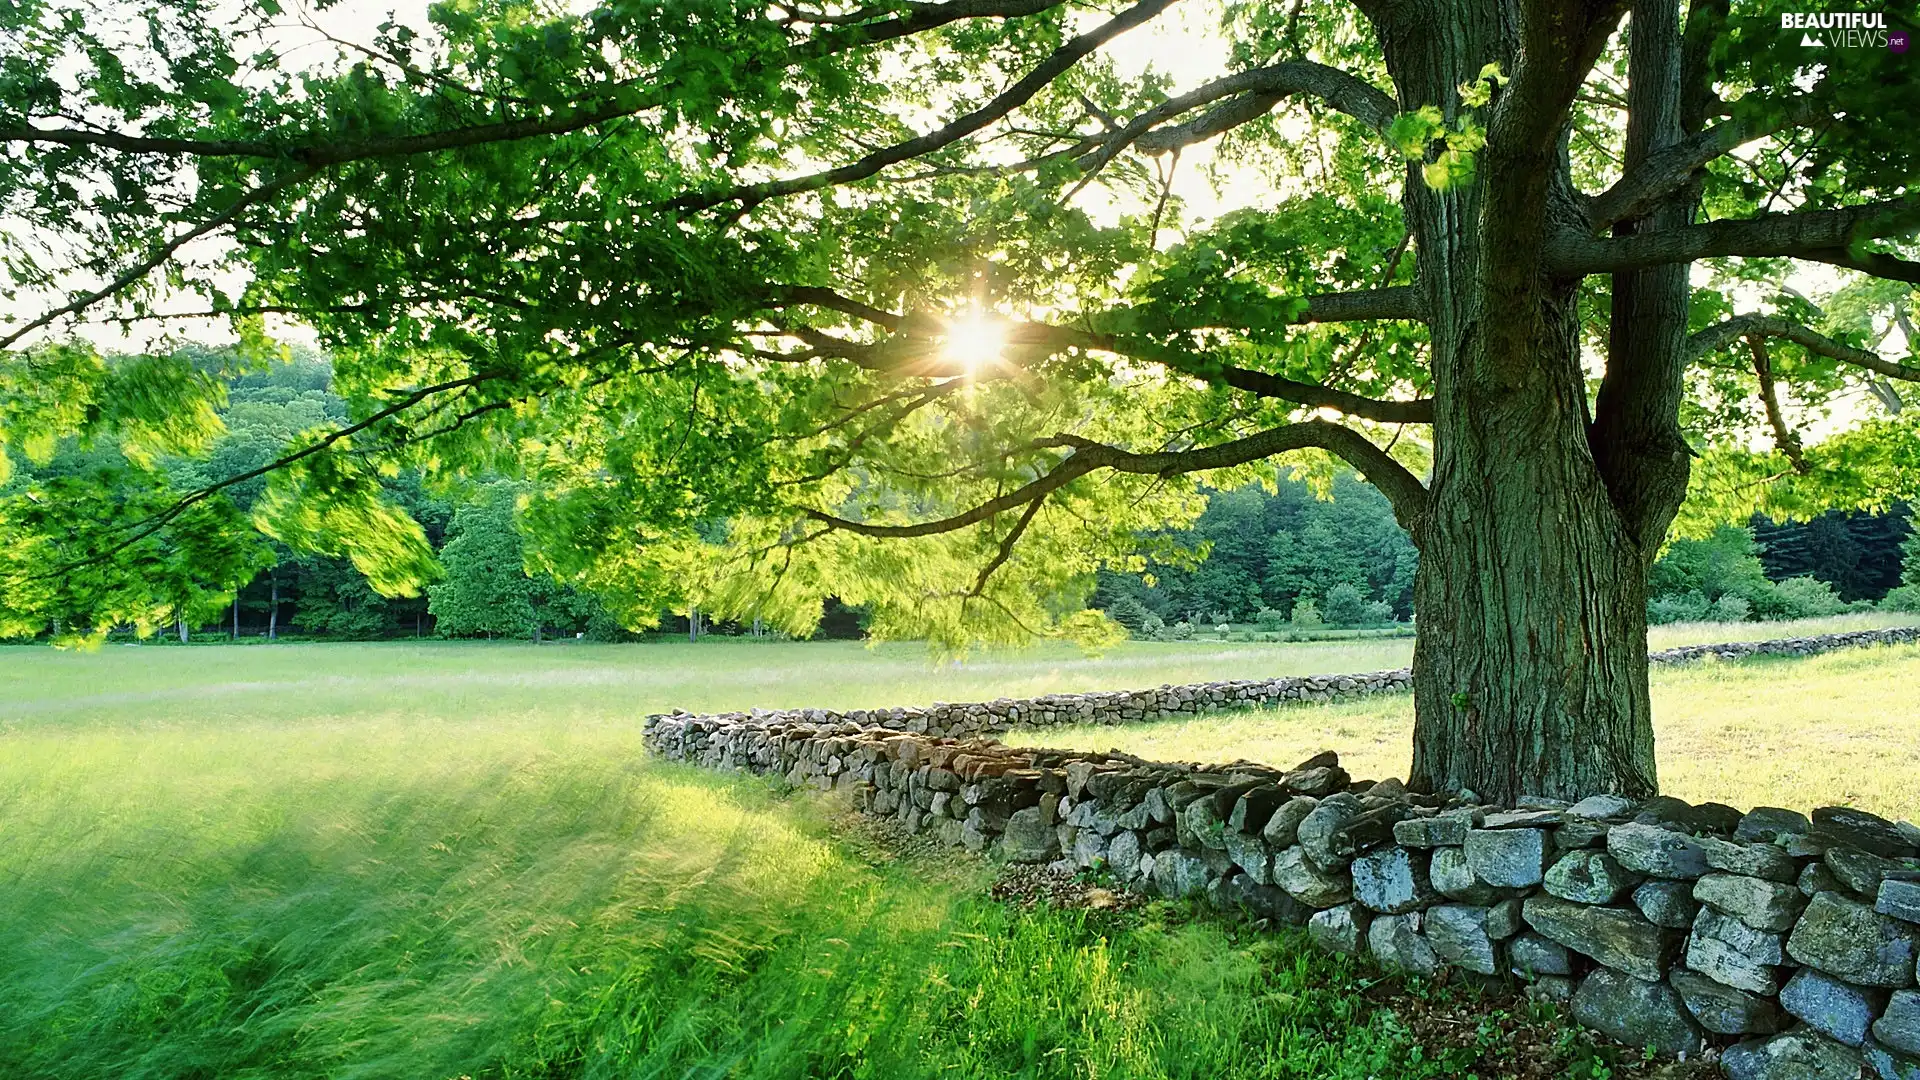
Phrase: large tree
[889,301]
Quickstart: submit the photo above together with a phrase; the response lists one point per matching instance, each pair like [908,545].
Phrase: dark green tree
[688,262]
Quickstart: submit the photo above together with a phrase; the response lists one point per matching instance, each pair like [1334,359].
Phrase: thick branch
[1783,435]
[1752,326]
[1255,92]
[1056,64]
[1402,488]
[1817,235]
[1664,171]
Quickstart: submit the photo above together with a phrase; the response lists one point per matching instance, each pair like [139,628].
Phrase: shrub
[1346,606]
[1808,598]
[1730,608]
[1153,626]
[1677,607]
[1270,618]
[1379,611]
[1183,631]
[1130,613]
[1905,598]
[1306,613]
[1219,617]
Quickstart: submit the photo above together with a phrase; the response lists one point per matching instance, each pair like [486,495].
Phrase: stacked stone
[1792,941]
[964,719]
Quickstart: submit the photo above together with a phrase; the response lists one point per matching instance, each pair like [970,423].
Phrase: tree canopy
[895,303]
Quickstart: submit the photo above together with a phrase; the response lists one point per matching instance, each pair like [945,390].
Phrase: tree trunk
[1530,670]
[273,609]
[693,624]
[180,627]
[236,615]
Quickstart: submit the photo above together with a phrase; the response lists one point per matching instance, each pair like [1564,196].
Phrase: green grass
[422,893]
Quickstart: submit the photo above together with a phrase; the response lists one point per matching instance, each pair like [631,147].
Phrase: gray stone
[1763,905]
[1533,955]
[1725,949]
[1200,822]
[1888,1065]
[1848,939]
[1862,872]
[1898,1028]
[1797,1055]
[1505,919]
[1836,1009]
[1396,942]
[1283,828]
[1123,853]
[1616,938]
[1843,826]
[1339,929]
[1900,900]
[1392,881]
[1250,854]
[1450,874]
[1603,806]
[1524,819]
[1589,877]
[1751,860]
[1722,1009]
[1816,878]
[1324,780]
[1637,1012]
[1667,903]
[1558,989]
[1507,858]
[1305,883]
[1581,833]
[1319,827]
[1441,830]
[1177,874]
[1656,852]
[973,837]
[1256,807]
[1240,892]
[1089,849]
[1458,935]
[1766,824]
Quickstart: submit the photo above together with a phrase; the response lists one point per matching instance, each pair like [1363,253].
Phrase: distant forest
[1262,555]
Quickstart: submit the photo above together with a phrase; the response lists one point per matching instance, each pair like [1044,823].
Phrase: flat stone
[1763,905]
[1319,781]
[1898,1028]
[1603,806]
[1442,830]
[1524,819]
[1340,929]
[1396,942]
[1766,824]
[1899,900]
[1307,884]
[1532,955]
[1847,939]
[1836,1009]
[1729,951]
[1319,828]
[1507,858]
[1240,892]
[1458,935]
[1862,872]
[1722,1009]
[1616,938]
[1590,877]
[1453,877]
[1637,1012]
[1667,903]
[1656,852]
[1797,1055]
[1369,830]
[1392,881]
[1580,833]
[1751,860]
[1888,1065]
[1283,828]
[1843,826]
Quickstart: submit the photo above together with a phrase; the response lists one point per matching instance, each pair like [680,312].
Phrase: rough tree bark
[1530,668]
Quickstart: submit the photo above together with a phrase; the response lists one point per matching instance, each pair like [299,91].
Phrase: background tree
[685,263]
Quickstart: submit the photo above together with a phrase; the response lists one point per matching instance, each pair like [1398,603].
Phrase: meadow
[444,860]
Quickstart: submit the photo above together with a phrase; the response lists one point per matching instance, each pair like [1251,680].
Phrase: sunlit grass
[1843,727]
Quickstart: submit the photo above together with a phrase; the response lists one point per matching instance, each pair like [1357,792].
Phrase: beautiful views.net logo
[1844,29]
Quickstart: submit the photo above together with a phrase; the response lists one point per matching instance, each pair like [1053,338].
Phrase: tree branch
[1783,436]
[1253,94]
[1664,171]
[1056,64]
[1751,326]
[1816,235]
[1407,495]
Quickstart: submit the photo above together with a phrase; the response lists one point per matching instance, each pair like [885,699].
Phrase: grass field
[444,860]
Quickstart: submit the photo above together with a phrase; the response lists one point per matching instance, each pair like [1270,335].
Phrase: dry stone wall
[1787,943]
[1168,702]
